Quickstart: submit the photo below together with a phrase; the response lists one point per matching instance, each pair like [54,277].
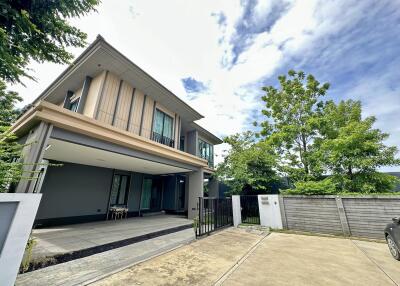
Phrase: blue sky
[216,55]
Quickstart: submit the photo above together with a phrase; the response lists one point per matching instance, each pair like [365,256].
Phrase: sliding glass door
[151,197]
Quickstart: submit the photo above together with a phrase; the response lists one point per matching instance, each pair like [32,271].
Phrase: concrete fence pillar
[343,217]
[236,210]
[270,212]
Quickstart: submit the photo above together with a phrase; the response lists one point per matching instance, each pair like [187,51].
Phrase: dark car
[392,234]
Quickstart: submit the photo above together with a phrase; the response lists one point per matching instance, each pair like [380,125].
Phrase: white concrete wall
[270,213]
[236,210]
[17,213]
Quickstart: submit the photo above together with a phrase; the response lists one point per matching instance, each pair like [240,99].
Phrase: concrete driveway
[238,257]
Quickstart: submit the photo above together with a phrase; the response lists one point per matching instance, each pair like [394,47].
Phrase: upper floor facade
[104,86]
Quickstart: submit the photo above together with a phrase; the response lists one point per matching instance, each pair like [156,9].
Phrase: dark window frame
[210,157]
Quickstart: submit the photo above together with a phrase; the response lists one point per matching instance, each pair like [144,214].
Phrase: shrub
[324,187]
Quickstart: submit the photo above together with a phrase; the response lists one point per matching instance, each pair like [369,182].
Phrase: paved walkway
[200,263]
[85,270]
[234,257]
[69,238]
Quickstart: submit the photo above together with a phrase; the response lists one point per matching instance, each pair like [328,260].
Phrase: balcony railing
[210,160]
[162,139]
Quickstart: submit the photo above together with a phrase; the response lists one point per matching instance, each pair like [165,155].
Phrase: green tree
[351,150]
[248,163]
[40,31]
[31,30]
[291,123]
[10,169]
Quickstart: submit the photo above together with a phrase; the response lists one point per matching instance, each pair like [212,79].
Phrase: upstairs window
[163,128]
[74,105]
[206,151]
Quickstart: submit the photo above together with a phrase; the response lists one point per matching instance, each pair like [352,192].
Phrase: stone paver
[200,263]
[84,270]
[56,240]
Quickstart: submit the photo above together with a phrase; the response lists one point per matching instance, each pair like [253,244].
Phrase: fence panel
[314,214]
[367,217]
[214,214]
[362,216]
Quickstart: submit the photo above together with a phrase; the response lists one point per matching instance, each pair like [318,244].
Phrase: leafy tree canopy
[31,30]
[248,163]
[322,146]
[291,122]
[38,30]
[351,149]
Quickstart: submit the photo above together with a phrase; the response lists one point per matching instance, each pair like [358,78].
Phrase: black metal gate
[214,214]
[249,209]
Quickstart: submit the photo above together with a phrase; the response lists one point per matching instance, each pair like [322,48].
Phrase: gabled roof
[99,56]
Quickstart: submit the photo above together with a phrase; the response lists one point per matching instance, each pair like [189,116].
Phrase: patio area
[95,237]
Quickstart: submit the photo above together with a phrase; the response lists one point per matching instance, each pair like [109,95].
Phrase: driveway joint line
[240,261]
[376,264]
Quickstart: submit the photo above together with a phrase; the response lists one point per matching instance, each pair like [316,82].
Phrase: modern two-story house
[105,134]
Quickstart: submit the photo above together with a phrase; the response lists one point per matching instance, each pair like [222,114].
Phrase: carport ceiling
[74,153]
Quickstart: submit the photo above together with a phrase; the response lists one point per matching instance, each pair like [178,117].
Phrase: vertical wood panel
[93,94]
[147,117]
[121,116]
[136,113]
[107,104]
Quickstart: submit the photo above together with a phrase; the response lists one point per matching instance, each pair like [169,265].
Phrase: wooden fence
[360,216]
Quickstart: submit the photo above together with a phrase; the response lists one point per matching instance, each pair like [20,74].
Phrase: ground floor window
[119,190]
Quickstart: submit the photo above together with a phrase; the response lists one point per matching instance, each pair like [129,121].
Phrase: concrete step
[39,262]
[92,268]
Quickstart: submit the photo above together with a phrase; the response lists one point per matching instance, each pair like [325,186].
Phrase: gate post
[236,210]
[270,213]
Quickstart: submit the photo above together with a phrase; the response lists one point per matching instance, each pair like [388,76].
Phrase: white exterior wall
[17,212]
[270,213]
[236,210]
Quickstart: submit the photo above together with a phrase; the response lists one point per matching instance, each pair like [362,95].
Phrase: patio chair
[118,212]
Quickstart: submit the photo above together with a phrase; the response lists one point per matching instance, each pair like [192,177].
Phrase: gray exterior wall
[192,142]
[74,190]
[364,216]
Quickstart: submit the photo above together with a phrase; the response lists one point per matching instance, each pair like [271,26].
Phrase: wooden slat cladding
[109,99]
[136,113]
[147,117]
[128,104]
[94,92]
[122,111]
